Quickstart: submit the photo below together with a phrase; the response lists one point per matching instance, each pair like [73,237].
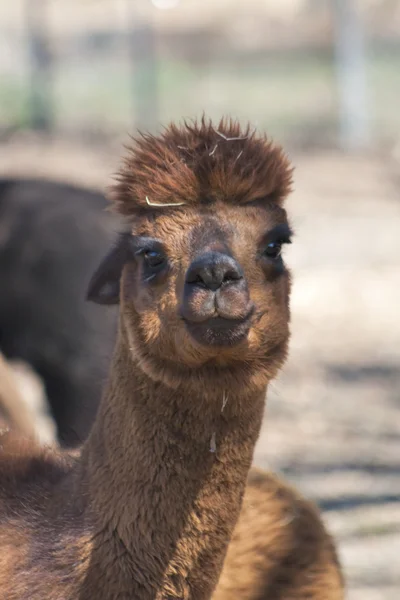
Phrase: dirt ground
[333,418]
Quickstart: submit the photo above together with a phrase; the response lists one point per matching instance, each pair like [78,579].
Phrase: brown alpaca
[13,411]
[148,508]
[23,412]
[280,549]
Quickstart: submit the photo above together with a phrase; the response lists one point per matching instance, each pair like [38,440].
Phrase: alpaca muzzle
[216,305]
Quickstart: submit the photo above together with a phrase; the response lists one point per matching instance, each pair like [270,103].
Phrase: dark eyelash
[273,250]
[284,240]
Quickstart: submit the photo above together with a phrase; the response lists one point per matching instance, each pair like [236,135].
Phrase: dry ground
[333,424]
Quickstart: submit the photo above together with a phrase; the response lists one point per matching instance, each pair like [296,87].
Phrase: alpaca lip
[219,331]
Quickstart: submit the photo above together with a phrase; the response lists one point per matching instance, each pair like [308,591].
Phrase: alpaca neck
[164,472]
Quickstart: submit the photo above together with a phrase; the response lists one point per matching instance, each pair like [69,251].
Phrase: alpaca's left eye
[273,250]
[153,258]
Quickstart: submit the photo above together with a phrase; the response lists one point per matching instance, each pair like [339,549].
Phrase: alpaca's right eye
[273,250]
[151,253]
[153,258]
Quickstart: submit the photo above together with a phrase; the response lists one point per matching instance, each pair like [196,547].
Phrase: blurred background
[323,78]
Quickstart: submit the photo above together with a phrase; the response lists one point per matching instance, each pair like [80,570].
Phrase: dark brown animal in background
[52,237]
[149,507]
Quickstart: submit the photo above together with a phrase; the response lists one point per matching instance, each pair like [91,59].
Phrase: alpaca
[52,236]
[280,549]
[23,403]
[147,509]
[13,409]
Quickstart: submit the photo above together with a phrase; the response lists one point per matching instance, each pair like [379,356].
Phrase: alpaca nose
[212,270]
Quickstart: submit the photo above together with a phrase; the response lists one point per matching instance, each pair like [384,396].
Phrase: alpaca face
[207,287]
[214,280]
[200,274]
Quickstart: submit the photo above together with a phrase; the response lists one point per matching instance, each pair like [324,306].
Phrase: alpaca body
[23,405]
[280,549]
[159,528]
[12,403]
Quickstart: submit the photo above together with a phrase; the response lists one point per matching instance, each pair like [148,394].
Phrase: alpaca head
[199,274]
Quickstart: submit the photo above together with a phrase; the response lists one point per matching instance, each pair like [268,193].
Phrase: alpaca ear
[104,284]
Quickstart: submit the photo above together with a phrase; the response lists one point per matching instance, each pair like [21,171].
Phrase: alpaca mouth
[220,331]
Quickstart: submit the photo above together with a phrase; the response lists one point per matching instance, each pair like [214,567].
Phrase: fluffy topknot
[199,163]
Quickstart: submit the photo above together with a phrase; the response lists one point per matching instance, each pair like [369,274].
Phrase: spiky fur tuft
[199,163]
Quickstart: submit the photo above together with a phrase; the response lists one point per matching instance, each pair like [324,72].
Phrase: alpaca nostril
[212,270]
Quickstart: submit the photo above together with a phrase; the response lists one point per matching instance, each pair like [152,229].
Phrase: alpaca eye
[153,258]
[273,250]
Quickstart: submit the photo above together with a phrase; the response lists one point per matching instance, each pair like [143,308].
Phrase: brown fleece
[198,163]
[280,549]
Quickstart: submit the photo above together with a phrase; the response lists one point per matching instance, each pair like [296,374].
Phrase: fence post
[39,58]
[142,39]
[351,77]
